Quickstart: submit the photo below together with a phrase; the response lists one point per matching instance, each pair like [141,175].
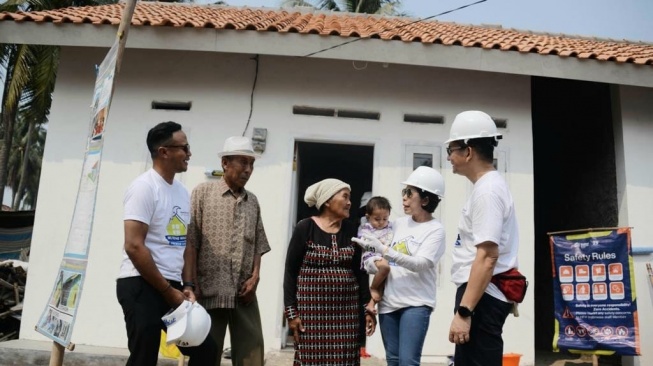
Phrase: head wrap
[322,191]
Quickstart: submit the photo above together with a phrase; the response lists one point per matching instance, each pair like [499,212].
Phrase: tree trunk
[23,170]
[358,7]
[8,121]
[7,118]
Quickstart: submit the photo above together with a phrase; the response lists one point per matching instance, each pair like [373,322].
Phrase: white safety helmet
[427,179]
[472,125]
[188,324]
[365,198]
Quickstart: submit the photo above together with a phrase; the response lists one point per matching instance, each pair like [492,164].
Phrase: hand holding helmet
[370,243]
[188,325]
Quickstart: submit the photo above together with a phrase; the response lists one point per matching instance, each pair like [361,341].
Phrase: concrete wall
[636,198]
[219,86]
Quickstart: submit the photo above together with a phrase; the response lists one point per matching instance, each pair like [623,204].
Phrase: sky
[617,19]
[631,20]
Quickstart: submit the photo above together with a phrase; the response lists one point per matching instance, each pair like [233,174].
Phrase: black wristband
[464,311]
[189,284]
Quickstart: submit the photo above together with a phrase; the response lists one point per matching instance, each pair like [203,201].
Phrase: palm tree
[385,7]
[24,168]
[16,60]
[30,72]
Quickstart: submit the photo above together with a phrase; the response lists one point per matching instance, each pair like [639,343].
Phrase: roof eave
[300,45]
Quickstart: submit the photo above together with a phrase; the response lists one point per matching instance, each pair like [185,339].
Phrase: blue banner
[594,292]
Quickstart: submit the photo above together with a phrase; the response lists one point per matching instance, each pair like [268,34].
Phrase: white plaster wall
[219,87]
[637,199]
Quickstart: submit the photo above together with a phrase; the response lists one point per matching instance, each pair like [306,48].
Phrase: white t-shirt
[488,215]
[422,245]
[166,209]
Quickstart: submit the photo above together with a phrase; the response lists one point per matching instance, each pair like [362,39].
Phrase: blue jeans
[403,332]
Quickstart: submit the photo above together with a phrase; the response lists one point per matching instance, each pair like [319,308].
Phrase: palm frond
[19,78]
[391,8]
[295,3]
[328,5]
[28,74]
[36,105]
[13,5]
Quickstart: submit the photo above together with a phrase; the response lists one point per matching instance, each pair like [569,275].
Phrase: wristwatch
[188,284]
[464,311]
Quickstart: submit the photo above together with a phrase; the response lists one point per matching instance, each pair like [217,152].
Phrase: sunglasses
[407,192]
[450,150]
[185,148]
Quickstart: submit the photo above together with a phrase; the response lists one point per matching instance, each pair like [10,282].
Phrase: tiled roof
[155,14]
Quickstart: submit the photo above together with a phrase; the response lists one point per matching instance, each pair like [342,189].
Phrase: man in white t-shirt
[156,215]
[487,243]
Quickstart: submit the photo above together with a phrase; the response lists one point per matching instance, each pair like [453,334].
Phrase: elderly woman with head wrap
[324,288]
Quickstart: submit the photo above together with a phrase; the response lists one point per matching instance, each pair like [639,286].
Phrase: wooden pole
[123,31]
[56,356]
[582,230]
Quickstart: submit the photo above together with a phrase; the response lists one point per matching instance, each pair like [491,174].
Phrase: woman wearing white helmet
[417,245]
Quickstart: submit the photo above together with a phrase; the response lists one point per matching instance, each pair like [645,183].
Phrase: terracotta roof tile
[156,14]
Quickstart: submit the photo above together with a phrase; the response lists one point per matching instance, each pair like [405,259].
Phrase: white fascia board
[49,34]
[299,45]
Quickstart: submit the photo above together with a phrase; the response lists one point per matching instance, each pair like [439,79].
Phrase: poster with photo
[58,317]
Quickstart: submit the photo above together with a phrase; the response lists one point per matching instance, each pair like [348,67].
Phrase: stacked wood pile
[12,290]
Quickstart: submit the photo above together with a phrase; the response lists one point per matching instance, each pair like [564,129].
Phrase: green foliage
[385,7]
[30,73]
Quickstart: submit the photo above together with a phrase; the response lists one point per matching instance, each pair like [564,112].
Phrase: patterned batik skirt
[327,300]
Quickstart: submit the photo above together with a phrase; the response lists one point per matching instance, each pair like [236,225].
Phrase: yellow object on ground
[169,351]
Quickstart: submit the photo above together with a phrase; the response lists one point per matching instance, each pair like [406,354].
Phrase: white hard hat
[188,324]
[365,198]
[472,125]
[427,179]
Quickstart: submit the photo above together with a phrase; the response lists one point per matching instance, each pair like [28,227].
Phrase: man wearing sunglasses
[156,217]
[487,244]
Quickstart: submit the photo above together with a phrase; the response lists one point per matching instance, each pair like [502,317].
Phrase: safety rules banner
[594,292]
[58,317]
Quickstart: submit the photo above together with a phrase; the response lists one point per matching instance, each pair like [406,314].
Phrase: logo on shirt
[457,244]
[176,229]
[402,246]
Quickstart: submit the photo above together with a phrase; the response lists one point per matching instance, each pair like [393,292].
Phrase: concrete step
[28,352]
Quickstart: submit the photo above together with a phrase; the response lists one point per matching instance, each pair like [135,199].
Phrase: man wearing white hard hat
[226,241]
[156,217]
[487,244]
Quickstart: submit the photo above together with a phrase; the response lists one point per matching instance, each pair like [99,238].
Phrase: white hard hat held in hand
[188,324]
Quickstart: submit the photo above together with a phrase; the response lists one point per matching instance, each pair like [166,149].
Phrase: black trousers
[143,307]
[485,346]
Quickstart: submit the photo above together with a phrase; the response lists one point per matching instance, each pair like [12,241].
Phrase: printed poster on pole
[58,317]
[595,300]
